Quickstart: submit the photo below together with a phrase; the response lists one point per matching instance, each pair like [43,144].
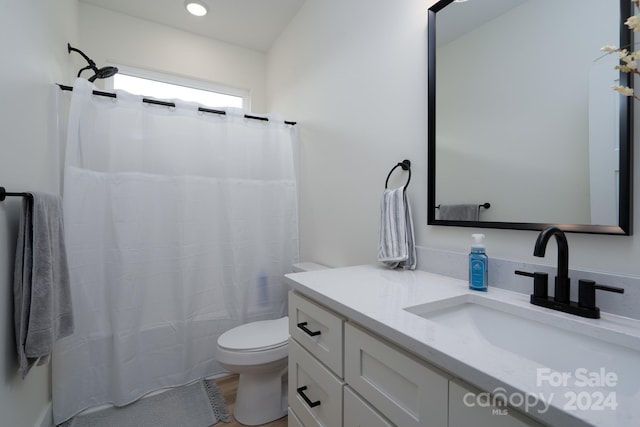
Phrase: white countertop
[376,297]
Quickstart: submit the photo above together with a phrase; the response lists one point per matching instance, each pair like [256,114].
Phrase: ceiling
[254,24]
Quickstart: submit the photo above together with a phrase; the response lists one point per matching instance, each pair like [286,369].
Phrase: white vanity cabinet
[315,364]
[405,390]
[348,376]
[386,386]
[292,419]
[315,393]
[358,413]
[318,330]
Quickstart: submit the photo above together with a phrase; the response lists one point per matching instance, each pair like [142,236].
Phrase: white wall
[353,73]
[111,37]
[33,45]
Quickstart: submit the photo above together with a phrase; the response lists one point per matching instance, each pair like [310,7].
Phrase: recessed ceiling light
[196,7]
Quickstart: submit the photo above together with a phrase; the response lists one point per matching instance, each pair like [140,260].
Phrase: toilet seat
[256,336]
[255,343]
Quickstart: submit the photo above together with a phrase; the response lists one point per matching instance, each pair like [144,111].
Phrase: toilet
[258,351]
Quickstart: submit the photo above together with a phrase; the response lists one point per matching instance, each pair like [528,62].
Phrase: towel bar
[486,205]
[4,193]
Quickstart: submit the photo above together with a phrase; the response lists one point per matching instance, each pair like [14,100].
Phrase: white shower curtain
[179,225]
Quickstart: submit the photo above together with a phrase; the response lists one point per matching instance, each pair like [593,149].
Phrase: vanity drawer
[292,419]
[358,413]
[318,330]
[403,389]
[315,394]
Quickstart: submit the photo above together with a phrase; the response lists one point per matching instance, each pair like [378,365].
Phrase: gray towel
[41,291]
[466,212]
[396,247]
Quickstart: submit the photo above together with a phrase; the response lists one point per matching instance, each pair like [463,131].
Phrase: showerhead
[102,73]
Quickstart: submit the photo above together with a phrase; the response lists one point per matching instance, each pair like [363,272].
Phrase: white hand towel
[396,247]
[463,212]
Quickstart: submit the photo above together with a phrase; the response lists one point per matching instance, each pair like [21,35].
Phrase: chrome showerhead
[99,73]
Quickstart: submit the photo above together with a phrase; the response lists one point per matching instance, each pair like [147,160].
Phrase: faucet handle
[540,282]
[587,292]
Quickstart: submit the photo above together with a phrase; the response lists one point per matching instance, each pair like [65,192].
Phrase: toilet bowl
[258,352]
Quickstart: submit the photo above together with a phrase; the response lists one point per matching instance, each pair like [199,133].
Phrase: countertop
[376,297]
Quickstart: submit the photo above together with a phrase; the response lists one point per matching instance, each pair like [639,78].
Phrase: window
[157,85]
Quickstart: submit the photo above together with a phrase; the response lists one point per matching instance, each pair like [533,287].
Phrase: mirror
[522,117]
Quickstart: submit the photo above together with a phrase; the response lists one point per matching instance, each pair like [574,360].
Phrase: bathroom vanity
[376,347]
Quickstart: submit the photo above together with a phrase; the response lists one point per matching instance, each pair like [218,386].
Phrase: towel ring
[405,165]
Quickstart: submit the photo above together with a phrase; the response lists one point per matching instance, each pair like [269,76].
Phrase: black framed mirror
[521,115]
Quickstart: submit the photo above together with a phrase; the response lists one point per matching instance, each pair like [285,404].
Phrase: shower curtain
[179,226]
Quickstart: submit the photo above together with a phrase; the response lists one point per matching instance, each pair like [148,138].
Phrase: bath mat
[196,405]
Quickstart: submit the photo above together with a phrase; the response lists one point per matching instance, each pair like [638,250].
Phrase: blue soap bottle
[478,264]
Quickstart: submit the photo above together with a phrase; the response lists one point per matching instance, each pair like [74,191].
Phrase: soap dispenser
[478,264]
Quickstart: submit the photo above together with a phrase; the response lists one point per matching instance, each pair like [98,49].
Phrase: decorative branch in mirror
[524,116]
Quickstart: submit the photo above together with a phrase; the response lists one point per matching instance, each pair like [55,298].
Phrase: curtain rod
[171,104]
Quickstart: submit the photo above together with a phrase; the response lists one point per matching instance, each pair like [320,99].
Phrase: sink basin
[550,339]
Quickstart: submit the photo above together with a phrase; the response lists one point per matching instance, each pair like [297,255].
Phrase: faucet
[561,301]
[562,283]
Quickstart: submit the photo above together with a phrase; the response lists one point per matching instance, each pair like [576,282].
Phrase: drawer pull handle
[303,326]
[305,398]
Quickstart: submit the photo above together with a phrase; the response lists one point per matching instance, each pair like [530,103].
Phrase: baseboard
[46,417]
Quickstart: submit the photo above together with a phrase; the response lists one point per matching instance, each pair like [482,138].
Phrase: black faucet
[562,288]
[585,306]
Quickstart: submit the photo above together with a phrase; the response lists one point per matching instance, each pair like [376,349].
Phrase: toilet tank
[308,266]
